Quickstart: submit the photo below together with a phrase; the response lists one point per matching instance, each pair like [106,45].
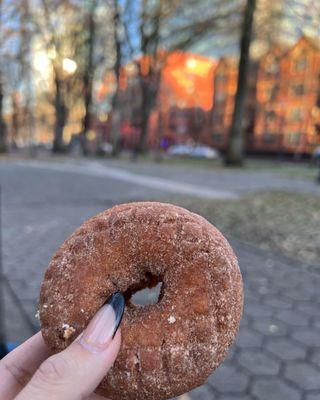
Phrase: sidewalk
[277,352]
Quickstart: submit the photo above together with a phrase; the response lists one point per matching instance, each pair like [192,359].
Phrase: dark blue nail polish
[117,302]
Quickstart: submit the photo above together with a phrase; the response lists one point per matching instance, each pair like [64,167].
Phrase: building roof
[313,43]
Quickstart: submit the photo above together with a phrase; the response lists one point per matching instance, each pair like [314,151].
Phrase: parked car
[201,151]
[179,150]
[107,148]
[197,151]
[316,154]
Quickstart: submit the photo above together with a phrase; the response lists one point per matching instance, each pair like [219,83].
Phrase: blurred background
[212,105]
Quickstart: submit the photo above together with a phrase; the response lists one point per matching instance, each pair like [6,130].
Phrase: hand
[31,372]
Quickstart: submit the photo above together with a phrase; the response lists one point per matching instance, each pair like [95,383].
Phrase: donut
[168,347]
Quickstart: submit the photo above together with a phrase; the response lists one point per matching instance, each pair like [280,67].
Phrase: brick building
[299,95]
[186,97]
[269,111]
[196,101]
[282,112]
[225,85]
[288,99]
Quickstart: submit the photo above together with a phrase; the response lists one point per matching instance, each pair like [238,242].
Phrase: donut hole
[146,296]
[147,292]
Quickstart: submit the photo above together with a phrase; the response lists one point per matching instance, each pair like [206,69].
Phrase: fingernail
[104,325]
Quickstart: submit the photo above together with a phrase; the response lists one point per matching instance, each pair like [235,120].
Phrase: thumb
[75,372]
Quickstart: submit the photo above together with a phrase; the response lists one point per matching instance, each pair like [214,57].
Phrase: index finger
[17,368]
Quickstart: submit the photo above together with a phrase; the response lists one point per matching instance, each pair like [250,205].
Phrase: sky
[301,17]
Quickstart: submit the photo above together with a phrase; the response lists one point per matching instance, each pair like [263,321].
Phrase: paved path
[96,169]
[234,180]
[277,352]
[199,182]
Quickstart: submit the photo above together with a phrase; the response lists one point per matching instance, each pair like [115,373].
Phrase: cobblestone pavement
[277,352]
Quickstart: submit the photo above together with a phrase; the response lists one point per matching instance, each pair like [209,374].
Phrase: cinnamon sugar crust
[169,347]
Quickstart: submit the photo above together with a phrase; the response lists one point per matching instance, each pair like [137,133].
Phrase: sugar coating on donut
[168,347]
[68,331]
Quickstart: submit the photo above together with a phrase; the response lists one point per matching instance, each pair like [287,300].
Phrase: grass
[280,221]
[289,169]
[273,220]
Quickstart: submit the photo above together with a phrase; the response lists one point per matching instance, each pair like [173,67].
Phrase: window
[220,97]
[199,116]
[274,92]
[269,138]
[220,77]
[301,64]
[268,93]
[294,138]
[217,137]
[298,90]
[271,92]
[296,114]
[270,115]
[218,117]
[272,68]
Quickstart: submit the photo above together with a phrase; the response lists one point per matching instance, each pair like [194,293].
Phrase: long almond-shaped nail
[104,325]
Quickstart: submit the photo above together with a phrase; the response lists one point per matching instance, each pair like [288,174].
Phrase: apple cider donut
[169,347]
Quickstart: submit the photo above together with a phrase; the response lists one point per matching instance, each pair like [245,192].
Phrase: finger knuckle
[19,374]
[54,369]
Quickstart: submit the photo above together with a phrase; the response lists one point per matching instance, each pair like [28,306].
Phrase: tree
[268,26]
[15,60]
[115,102]
[25,68]
[15,117]
[236,140]
[51,21]
[3,126]
[146,54]
[102,52]
[89,69]
[165,26]
[76,34]
[149,77]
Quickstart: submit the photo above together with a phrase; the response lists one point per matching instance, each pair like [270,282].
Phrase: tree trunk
[86,121]
[148,101]
[159,149]
[88,78]
[60,118]
[141,146]
[3,126]
[27,119]
[235,151]
[150,83]
[15,122]
[116,125]
[3,346]
[116,113]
